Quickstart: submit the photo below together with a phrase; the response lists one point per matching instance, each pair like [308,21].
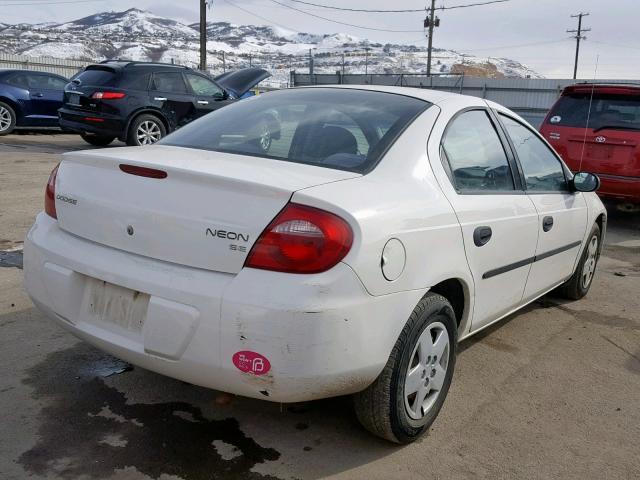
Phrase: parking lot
[551,392]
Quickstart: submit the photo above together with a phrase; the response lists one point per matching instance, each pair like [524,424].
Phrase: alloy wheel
[589,265]
[148,132]
[265,138]
[5,119]
[427,370]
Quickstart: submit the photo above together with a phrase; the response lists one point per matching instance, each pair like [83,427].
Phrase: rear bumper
[105,125]
[323,334]
[620,188]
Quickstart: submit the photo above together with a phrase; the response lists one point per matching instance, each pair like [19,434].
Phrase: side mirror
[223,95]
[585,182]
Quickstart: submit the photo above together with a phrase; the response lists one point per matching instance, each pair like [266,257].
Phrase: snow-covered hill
[139,35]
[132,22]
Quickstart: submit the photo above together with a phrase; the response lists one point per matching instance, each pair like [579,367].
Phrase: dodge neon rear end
[597,128]
[205,259]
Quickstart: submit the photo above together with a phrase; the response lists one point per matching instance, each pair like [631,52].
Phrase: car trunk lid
[78,92]
[605,151]
[241,81]
[206,212]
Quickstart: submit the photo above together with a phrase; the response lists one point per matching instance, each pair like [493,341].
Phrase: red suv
[596,128]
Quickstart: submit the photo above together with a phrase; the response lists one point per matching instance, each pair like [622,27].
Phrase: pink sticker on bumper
[251,362]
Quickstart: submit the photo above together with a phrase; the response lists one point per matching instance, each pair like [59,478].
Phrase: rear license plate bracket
[116,305]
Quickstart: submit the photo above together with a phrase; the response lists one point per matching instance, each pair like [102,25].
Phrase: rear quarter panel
[399,199]
[16,98]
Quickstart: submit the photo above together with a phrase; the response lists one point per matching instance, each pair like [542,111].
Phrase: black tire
[97,140]
[7,119]
[138,123]
[576,287]
[381,408]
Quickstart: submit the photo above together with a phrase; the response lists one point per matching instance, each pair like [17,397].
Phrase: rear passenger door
[562,214]
[48,92]
[498,220]
[169,94]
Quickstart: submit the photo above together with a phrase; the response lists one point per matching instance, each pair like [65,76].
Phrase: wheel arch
[458,293]
[601,221]
[14,105]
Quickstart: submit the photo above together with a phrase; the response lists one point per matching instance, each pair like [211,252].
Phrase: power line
[331,7]
[615,45]
[261,17]
[477,4]
[344,23]
[522,45]
[412,10]
[54,3]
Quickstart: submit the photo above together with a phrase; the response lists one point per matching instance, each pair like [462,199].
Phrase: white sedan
[315,242]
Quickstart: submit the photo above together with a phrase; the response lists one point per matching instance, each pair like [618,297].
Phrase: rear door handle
[160,99]
[547,223]
[203,102]
[482,235]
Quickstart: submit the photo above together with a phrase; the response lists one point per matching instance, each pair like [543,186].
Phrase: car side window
[203,86]
[38,82]
[170,82]
[542,170]
[18,80]
[475,155]
[135,81]
[55,83]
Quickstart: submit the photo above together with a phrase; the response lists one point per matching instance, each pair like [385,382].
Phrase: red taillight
[108,95]
[50,194]
[93,119]
[143,171]
[301,239]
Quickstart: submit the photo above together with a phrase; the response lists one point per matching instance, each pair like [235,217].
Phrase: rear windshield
[97,77]
[344,129]
[607,111]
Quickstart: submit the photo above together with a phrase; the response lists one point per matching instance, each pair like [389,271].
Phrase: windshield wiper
[615,127]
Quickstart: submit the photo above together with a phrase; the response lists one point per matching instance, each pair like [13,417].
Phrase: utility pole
[310,64]
[430,22]
[203,35]
[224,62]
[342,63]
[366,59]
[578,36]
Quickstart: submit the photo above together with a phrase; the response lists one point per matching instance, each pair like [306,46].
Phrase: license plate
[117,305]
[74,99]
[600,152]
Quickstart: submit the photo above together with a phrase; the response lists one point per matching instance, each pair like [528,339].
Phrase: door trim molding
[527,261]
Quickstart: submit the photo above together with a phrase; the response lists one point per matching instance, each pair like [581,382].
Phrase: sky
[532,32]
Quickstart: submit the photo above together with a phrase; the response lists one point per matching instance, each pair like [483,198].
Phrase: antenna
[586,127]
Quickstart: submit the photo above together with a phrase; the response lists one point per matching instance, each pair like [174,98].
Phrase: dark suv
[140,103]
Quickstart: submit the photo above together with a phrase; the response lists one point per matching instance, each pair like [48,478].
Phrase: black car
[29,99]
[140,103]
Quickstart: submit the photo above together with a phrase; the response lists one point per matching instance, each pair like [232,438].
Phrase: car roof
[122,64]
[429,95]
[4,71]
